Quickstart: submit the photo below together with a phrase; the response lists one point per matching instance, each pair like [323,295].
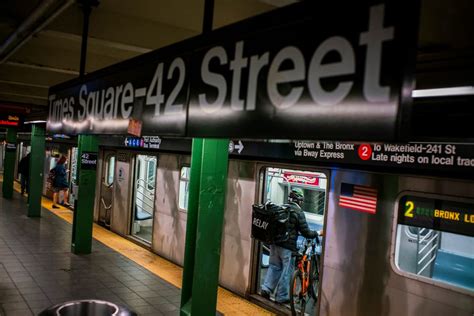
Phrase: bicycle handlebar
[316,239]
[310,242]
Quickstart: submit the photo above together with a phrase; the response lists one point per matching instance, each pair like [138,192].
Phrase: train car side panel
[236,244]
[358,273]
[169,227]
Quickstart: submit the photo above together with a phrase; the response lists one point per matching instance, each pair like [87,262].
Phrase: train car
[374,261]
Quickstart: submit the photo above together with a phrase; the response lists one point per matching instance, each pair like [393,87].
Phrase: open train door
[107,188]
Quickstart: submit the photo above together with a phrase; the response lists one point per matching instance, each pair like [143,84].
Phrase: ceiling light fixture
[443,92]
[35,122]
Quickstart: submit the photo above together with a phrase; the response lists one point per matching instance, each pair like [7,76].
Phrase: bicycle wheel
[314,278]
[297,299]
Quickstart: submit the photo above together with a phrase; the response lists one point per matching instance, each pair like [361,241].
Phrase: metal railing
[106,218]
[145,195]
[146,184]
[427,249]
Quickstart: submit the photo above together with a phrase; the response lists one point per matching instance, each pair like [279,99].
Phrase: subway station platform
[37,268]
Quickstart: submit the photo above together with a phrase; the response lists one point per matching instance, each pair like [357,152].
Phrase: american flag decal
[358,197]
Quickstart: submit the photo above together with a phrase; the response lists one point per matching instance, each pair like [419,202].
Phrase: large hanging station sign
[334,70]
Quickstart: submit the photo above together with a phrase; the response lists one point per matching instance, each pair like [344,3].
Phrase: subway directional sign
[9,120]
[311,70]
[438,214]
[89,160]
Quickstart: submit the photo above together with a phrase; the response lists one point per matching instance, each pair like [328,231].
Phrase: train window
[110,170]
[279,182]
[151,172]
[435,240]
[184,187]
[143,207]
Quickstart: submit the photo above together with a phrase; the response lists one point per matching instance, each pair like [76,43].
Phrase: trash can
[87,308]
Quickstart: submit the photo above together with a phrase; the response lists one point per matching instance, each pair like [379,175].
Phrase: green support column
[191,223]
[36,171]
[9,163]
[84,212]
[210,217]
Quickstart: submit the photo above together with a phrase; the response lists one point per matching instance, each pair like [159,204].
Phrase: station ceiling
[40,40]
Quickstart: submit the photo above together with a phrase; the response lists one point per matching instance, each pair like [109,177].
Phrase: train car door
[276,183]
[143,204]
[107,188]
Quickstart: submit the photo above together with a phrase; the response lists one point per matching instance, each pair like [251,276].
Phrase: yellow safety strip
[228,303]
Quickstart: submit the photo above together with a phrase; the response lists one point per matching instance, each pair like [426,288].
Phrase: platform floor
[37,268]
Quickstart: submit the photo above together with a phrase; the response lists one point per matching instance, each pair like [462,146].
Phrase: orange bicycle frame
[302,265]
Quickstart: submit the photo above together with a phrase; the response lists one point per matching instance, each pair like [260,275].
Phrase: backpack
[270,222]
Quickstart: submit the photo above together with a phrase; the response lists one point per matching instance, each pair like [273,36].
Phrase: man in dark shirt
[280,269]
[24,171]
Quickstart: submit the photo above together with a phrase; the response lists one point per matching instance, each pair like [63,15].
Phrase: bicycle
[305,279]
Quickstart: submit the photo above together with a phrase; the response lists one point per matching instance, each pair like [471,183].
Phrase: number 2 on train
[409,208]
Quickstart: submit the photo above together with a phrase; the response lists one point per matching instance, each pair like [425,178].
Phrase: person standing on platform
[60,183]
[277,278]
[24,171]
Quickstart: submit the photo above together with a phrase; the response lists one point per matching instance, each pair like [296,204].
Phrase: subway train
[374,262]
[375,259]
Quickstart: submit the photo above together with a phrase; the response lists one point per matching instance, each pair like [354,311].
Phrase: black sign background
[423,214]
[140,77]
[419,156]
[440,159]
[352,118]
[304,25]
[89,160]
